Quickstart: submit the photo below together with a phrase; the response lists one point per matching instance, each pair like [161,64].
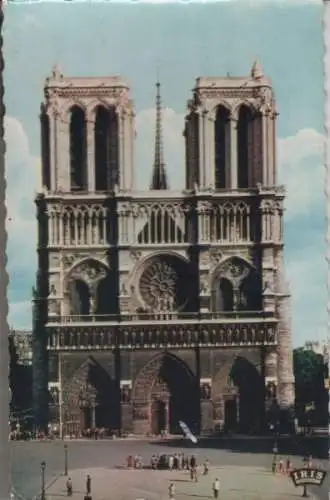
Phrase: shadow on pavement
[300,446]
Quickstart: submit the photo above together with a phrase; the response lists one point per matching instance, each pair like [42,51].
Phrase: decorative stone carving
[161,285]
[216,257]
[54,307]
[90,271]
[235,270]
[204,284]
[135,255]
[68,260]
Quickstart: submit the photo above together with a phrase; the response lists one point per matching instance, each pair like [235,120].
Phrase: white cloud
[19,316]
[300,162]
[306,271]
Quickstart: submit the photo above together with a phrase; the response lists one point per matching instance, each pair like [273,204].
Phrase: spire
[159,178]
[256,71]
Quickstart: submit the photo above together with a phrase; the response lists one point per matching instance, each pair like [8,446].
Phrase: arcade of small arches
[158,223]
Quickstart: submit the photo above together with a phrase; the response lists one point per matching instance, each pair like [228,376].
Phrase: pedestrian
[88,485]
[206,467]
[170,462]
[288,466]
[195,474]
[69,487]
[171,491]
[216,488]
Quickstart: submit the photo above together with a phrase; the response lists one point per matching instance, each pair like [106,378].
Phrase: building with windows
[156,306]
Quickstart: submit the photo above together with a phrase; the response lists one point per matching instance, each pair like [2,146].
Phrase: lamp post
[43,467]
[65,459]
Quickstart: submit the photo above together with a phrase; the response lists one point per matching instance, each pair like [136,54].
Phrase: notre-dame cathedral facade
[161,305]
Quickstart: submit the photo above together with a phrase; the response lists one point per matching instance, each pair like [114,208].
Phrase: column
[128,157]
[270,147]
[233,153]
[52,147]
[210,153]
[90,126]
[50,228]
[201,129]
[264,131]
[121,141]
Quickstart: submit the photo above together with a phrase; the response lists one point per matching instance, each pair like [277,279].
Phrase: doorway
[158,417]
[230,414]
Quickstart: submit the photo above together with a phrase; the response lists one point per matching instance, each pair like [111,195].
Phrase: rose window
[163,285]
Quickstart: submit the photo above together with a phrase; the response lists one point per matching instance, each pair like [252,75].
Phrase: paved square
[237,483]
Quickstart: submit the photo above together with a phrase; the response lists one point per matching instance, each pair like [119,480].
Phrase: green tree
[309,371]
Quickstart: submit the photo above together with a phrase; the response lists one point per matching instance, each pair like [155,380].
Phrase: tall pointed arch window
[222,147]
[245,145]
[45,149]
[106,148]
[78,150]
[102,149]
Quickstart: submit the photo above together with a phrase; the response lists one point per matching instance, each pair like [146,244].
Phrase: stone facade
[159,306]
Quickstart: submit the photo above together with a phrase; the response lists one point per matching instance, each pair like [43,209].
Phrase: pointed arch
[45,149]
[78,149]
[103,142]
[244,145]
[165,370]
[106,297]
[250,293]
[223,296]
[79,297]
[222,147]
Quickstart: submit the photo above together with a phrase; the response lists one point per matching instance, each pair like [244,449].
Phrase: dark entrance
[158,417]
[181,389]
[230,414]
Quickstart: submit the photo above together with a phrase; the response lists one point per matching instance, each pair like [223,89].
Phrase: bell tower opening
[45,149]
[78,146]
[244,138]
[222,145]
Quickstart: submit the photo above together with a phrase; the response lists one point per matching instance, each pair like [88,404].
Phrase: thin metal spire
[159,178]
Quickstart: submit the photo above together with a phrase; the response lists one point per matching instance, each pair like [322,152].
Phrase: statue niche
[236,287]
[89,289]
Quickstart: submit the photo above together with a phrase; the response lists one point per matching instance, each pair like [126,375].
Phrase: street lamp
[65,459]
[43,467]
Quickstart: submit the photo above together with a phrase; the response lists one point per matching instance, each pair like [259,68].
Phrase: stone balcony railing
[175,317]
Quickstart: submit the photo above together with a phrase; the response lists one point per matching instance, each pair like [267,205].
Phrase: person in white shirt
[216,488]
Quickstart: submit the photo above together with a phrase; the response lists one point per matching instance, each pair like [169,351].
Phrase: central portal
[170,391]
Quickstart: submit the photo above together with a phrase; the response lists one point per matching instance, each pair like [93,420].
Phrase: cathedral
[156,306]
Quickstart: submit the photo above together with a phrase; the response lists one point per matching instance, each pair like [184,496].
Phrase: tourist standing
[216,488]
[69,487]
[88,485]
[171,491]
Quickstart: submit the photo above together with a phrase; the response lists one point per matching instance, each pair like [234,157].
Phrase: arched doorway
[158,417]
[167,390]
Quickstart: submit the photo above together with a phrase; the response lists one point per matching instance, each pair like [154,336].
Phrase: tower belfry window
[102,148]
[245,146]
[78,146]
[222,145]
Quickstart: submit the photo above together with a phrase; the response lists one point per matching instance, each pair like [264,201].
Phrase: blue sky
[184,41]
